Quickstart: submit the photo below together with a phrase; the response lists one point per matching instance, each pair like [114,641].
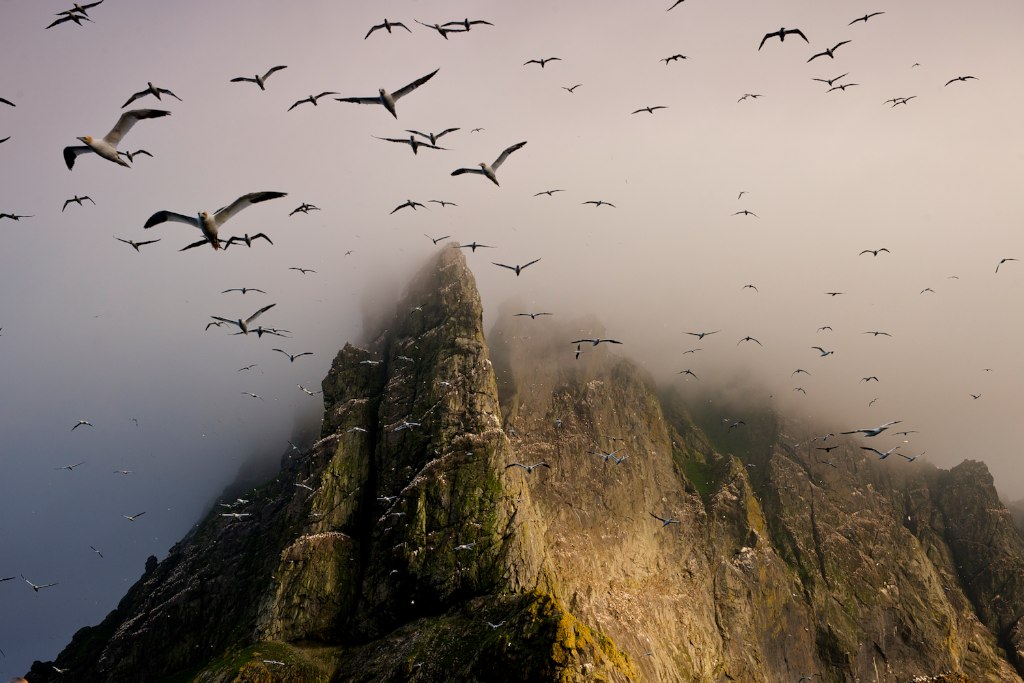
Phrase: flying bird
[532,316]
[312,99]
[650,110]
[543,61]
[833,293]
[822,351]
[842,86]
[830,81]
[744,212]
[799,371]
[388,100]
[868,379]
[997,265]
[748,338]
[245,239]
[257,79]
[150,89]
[975,396]
[572,89]
[135,245]
[473,246]
[466,24]
[252,395]
[874,252]
[80,9]
[865,18]
[70,468]
[517,269]
[304,271]
[435,240]
[132,518]
[750,95]
[95,550]
[595,342]
[673,58]
[529,468]
[106,146]
[873,431]
[408,203]
[750,287]
[701,335]
[665,521]
[37,587]
[297,355]
[304,208]
[243,325]
[412,142]
[828,51]
[77,18]
[877,333]
[960,78]
[130,156]
[433,137]
[440,29]
[547,192]
[489,171]
[442,202]
[307,391]
[880,454]
[781,35]
[387,25]
[209,225]
[77,200]
[688,372]
[81,423]
[243,290]
[598,203]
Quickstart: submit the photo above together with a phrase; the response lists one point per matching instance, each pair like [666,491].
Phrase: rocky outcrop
[407,544]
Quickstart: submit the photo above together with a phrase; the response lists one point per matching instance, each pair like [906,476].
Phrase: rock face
[403,546]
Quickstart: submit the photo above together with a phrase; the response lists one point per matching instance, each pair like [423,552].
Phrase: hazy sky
[92,330]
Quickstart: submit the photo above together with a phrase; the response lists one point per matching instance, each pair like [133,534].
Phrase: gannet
[880,454]
[440,29]
[473,246]
[412,142]
[37,587]
[311,99]
[135,245]
[548,192]
[433,137]
[243,290]
[387,25]
[77,18]
[387,99]
[442,202]
[673,58]
[132,518]
[960,78]
[106,147]
[517,269]
[408,204]
[297,355]
[865,18]
[595,342]
[130,156]
[873,431]
[489,171]
[543,61]
[665,521]
[650,110]
[81,423]
[571,90]
[77,200]
[150,90]
[304,208]
[529,468]
[209,225]
[243,325]
[781,35]
[828,51]
[598,203]
[435,240]
[246,239]
[466,24]
[257,79]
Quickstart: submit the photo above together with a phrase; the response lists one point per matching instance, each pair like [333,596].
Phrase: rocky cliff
[404,544]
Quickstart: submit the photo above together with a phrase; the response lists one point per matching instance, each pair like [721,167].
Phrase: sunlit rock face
[487,510]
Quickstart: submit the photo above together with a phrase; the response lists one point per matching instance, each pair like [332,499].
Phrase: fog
[90,329]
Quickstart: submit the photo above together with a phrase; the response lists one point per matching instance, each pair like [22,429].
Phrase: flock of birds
[211,225]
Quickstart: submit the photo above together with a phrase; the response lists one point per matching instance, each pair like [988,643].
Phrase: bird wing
[70,153]
[405,90]
[234,207]
[260,234]
[164,216]
[283,351]
[243,78]
[223,320]
[360,100]
[271,70]
[766,37]
[660,519]
[135,97]
[801,34]
[372,29]
[529,264]
[414,132]
[259,313]
[504,266]
[458,171]
[446,131]
[146,242]
[196,244]
[127,120]
[504,155]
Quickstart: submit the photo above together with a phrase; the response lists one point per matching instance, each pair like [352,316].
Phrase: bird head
[87,139]
[381,91]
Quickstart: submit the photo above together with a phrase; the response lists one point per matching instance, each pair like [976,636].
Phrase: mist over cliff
[493,508]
